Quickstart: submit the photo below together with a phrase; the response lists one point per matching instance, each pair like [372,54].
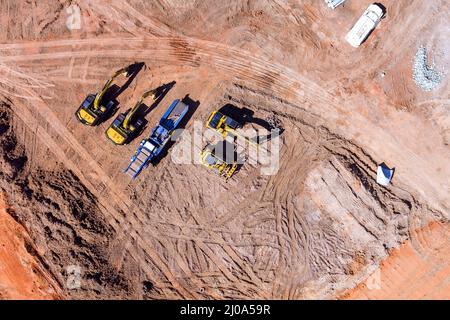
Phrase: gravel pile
[424,75]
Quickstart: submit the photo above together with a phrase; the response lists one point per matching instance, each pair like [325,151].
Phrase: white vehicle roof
[376,9]
[149,146]
[364,25]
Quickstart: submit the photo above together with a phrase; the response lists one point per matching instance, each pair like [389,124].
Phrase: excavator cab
[220,158]
[94,109]
[221,123]
[128,124]
[91,116]
[227,127]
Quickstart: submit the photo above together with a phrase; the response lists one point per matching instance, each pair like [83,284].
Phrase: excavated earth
[319,227]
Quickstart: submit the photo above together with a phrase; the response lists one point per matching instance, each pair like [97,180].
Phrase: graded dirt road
[316,227]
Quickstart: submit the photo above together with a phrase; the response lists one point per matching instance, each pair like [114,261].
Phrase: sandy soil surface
[319,226]
[412,271]
[22,275]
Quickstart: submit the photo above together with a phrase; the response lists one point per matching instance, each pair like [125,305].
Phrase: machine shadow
[245,115]
[114,91]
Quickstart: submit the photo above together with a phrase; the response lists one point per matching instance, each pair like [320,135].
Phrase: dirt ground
[23,276]
[409,273]
[316,228]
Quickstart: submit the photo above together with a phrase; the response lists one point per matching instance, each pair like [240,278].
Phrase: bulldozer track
[99,182]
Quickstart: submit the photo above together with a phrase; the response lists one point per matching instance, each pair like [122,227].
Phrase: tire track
[46,113]
[124,204]
[270,77]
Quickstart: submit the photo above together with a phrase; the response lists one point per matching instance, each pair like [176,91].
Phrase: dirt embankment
[63,220]
[22,274]
[412,271]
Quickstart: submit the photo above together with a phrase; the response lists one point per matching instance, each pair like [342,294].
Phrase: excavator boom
[130,114]
[100,94]
[93,110]
[125,126]
[227,126]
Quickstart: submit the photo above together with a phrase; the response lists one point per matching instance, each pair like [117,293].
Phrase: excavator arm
[127,120]
[100,94]
[247,139]
[225,126]
[93,109]
[125,126]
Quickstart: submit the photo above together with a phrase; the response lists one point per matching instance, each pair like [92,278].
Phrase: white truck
[362,28]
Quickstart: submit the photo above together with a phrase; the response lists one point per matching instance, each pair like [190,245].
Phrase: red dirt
[21,275]
[411,273]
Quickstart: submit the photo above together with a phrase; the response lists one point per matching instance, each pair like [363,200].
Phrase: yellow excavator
[93,110]
[222,124]
[127,124]
[217,157]
[227,127]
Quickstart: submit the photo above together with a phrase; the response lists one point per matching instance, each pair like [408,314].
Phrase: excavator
[227,127]
[127,124]
[215,157]
[222,124]
[93,110]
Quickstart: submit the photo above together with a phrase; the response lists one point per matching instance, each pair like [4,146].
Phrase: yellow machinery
[93,110]
[217,157]
[222,124]
[226,127]
[127,124]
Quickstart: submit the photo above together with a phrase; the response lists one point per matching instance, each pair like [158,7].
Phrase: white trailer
[362,28]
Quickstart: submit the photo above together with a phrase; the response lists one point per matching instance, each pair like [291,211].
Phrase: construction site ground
[318,228]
